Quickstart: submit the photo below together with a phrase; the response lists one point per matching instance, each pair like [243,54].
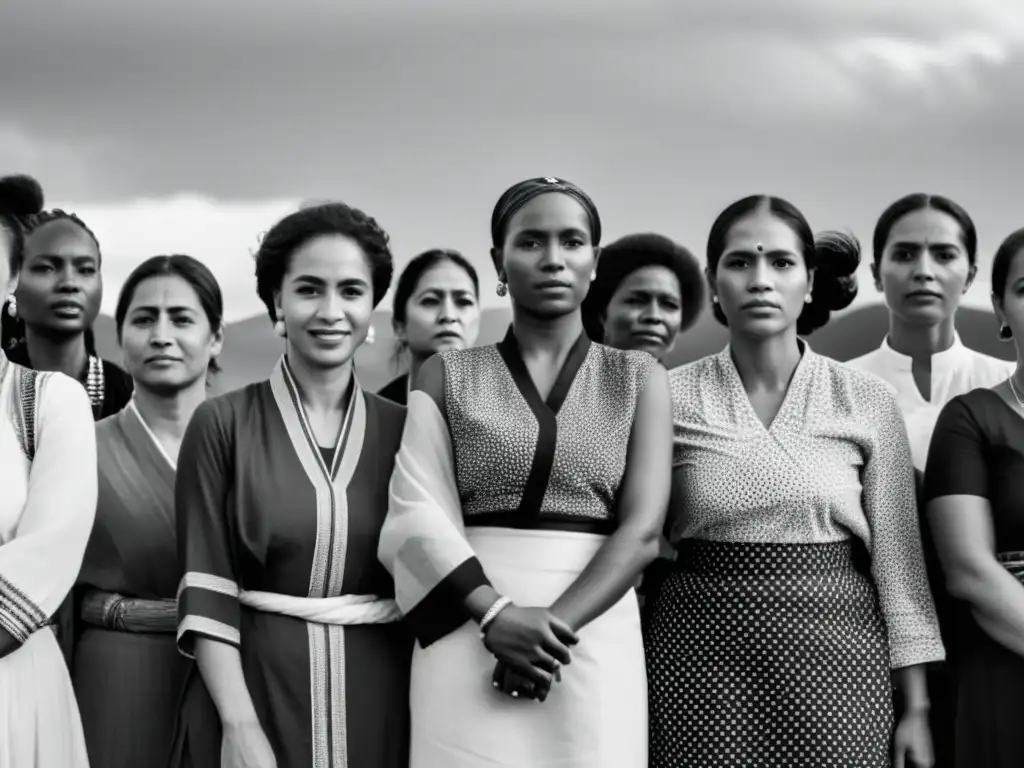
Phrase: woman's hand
[246,746]
[519,686]
[912,742]
[531,641]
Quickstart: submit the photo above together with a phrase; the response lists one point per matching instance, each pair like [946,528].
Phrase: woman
[976,512]
[49,317]
[48,476]
[128,673]
[800,579]
[925,260]
[648,291]
[280,494]
[437,307]
[528,495]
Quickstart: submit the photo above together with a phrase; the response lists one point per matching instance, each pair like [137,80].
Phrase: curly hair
[21,197]
[834,257]
[630,253]
[298,228]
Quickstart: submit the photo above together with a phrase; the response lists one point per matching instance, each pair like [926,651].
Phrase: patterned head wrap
[520,194]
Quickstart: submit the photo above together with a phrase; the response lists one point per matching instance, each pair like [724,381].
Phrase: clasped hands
[531,645]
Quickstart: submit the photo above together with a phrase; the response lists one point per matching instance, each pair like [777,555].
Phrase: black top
[977,449]
[397,391]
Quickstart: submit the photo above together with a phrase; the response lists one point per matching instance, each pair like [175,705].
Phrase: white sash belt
[344,610]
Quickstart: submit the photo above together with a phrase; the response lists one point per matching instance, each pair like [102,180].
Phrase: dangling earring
[593,276]
[279,329]
[12,307]
[502,289]
[371,335]
[714,299]
[1005,334]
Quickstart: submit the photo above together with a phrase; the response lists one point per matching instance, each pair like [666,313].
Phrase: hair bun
[20,195]
[837,257]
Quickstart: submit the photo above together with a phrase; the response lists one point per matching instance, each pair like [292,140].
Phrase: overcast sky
[193,128]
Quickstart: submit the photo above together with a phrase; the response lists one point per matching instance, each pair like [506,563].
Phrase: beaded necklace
[95,384]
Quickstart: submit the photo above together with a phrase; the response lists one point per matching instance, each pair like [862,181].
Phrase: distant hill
[251,348]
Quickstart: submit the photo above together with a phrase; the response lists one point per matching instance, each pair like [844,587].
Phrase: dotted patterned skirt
[768,655]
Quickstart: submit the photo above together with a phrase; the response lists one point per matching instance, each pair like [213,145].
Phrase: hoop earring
[279,329]
[12,306]
[1005,334]
[501,289]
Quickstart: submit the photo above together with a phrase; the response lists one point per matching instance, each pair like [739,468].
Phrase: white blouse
[47,507]
[833,465]
[955,371]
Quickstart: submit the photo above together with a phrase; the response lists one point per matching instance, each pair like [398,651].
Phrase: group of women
[446,573]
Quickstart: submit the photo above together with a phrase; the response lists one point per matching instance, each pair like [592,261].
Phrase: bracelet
[492,613]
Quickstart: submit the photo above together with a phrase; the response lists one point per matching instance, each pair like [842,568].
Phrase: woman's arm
[642,507]
[889,498]
[965,540]
[960,517]
[38,567]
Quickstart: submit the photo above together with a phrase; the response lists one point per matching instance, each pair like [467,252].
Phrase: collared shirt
[955,371]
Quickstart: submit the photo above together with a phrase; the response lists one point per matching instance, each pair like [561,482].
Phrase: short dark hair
[920,201]
[834,257]
[630,253]
[305,224]
[193,272]
[1002,262]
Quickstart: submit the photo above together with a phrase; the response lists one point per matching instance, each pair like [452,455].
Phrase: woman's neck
[546,335]
[920,342]
[765,363]
[322,390]
[168,415]
[415,363]
[66,354]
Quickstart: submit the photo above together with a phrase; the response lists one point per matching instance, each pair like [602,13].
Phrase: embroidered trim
[207,581]
[18,614]
[208,628]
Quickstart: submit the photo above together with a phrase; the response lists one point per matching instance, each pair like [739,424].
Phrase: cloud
[223,235]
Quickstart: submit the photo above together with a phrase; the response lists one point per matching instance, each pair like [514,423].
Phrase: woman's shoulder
[626,362]
[863,385]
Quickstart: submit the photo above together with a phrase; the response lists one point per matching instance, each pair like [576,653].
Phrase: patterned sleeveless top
[525,462]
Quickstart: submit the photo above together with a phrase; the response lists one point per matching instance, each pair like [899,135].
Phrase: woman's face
[762,281]
[166,340]
[59,288]
[924,270]
[1009,307]
[326,301]
[442,312]
[645,312]
[548,258]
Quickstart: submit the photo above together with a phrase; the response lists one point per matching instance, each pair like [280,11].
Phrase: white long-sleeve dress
[47,506]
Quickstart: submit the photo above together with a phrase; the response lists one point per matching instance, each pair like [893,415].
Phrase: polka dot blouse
[834,464]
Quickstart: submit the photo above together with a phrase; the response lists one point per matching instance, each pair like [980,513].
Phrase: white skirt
[596,717]
[39,722]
